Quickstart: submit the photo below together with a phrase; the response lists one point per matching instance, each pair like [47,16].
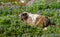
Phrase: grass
[12,26]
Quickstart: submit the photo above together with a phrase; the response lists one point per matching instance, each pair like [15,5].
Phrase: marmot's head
[23,16]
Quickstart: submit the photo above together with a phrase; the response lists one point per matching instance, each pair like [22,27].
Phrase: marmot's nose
[19,15]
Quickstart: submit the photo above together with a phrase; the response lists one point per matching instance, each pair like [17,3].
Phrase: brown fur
[45,21]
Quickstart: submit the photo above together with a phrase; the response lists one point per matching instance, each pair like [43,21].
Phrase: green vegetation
[12,26]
